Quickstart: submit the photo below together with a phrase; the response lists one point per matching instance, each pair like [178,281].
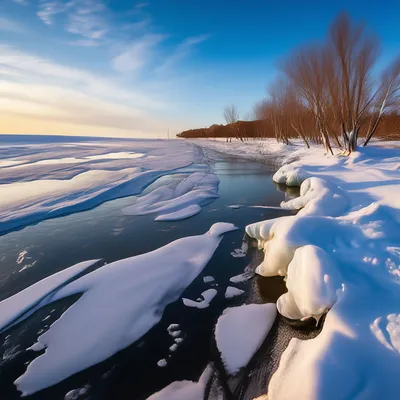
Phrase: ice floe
[207,296]
[233,292]
[129,297]
[240,331]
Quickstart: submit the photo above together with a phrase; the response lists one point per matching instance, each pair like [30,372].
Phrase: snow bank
[184,390]
[240,331]
[339,254]
[178,201]
[267,150]
[208,296]
[48,180]
[129,297]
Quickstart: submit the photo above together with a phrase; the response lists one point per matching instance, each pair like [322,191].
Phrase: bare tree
[350,55]
[231,115]
[388,96]
[305,71]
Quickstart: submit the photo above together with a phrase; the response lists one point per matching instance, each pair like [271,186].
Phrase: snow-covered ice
[233,292]
[208,279]
[245,276]
[240,331]
[38,295]
[184,390]
[238,253]
[207,295]
[337,256]
[162,363]
[178,200]
[129,297]
[40,181]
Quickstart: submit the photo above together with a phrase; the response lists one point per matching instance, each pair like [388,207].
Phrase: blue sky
[126,68]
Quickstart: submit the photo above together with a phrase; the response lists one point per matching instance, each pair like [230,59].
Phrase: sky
[145,68]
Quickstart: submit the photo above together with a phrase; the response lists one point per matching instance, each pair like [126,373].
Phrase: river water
[37,251]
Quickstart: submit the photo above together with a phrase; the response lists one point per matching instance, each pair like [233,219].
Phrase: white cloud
[36,88]
[21,2]
[9,25]
[137,54]
[48,9]
[87,25]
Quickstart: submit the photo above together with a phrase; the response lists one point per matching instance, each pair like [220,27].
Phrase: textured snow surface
[121,301]
[341,254]
[40,181]
[184,390]
[178,200]
[240,331]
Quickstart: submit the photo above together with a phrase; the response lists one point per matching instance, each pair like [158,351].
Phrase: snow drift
[339,254]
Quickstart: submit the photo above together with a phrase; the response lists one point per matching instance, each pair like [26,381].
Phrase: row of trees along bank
[325,93]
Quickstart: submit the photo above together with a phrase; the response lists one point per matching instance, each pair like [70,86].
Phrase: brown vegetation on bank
[388,129]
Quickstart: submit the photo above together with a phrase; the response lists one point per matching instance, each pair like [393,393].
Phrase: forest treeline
[389,128]
[325,93]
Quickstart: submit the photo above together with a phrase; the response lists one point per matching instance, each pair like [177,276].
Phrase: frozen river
[106,231]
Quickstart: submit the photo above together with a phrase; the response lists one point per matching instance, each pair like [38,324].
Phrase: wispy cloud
[142,5]
[182,51]
[48,9]
[37,88]
[9,25]
[21,2]
[137,54]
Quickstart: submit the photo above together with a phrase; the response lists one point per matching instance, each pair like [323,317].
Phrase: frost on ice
[336,257]
[240,331]
[129,297]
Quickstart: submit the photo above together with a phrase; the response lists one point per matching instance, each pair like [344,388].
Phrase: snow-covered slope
[121,301]
[340,253]
[39,181]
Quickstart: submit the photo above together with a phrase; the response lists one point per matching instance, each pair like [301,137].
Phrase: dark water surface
[35,252]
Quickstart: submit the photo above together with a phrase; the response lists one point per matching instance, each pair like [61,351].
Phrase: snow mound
[290,177]
[233,292]
[318,197]
[312,282]
[173,202]
[184,390]
[240,331]
[208,296]
[129,297]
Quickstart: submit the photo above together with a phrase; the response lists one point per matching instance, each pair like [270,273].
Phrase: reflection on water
[37,251]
